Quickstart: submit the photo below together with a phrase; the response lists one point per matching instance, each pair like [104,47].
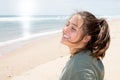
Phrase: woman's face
[73,32]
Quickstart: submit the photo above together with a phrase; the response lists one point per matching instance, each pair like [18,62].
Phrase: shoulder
[86,67]
[82,61]
[83,57]
[85,74]
[82,66]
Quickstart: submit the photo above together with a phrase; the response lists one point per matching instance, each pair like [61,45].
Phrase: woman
[88,39]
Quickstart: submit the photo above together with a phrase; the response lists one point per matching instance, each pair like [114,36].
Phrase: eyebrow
[73,24]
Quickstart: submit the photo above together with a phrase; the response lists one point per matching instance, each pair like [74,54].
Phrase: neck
[75,50]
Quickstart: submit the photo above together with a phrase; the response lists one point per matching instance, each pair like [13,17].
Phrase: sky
[58,7]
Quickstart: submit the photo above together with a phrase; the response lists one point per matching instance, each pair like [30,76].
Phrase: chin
[65,43]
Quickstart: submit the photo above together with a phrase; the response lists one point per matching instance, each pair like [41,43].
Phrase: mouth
[66,36]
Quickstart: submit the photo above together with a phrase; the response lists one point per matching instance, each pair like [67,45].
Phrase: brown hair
[98,30]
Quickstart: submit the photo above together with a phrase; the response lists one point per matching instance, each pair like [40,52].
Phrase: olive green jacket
[83,66]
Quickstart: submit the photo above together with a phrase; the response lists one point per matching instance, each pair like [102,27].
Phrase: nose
[66,29]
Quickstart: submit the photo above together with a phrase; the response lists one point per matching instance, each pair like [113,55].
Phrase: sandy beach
[44,58]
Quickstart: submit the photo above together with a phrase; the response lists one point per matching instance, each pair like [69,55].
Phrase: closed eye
[73,28]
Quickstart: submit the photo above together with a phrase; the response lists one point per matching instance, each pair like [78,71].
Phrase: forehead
[77,20]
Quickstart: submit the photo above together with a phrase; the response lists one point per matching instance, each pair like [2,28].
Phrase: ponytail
[98,29]
[102,41]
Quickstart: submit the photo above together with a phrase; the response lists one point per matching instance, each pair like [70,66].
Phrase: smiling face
[73,32]
[84,31]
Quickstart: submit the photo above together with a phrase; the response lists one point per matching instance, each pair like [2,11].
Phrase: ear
[86,38]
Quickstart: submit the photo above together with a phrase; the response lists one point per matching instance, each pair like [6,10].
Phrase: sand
[31,55]
[112,60]
[45,58]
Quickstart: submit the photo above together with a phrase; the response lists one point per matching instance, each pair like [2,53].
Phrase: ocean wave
[26,38]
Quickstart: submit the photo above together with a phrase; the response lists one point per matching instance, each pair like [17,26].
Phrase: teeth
[65,36]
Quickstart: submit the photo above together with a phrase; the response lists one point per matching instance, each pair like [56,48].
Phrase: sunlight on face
[25,10]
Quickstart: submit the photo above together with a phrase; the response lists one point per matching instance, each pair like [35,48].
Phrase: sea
[15,31]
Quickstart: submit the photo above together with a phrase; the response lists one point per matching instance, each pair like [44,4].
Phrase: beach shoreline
[10,45]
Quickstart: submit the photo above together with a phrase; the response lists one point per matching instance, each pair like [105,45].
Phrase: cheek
[75,37]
